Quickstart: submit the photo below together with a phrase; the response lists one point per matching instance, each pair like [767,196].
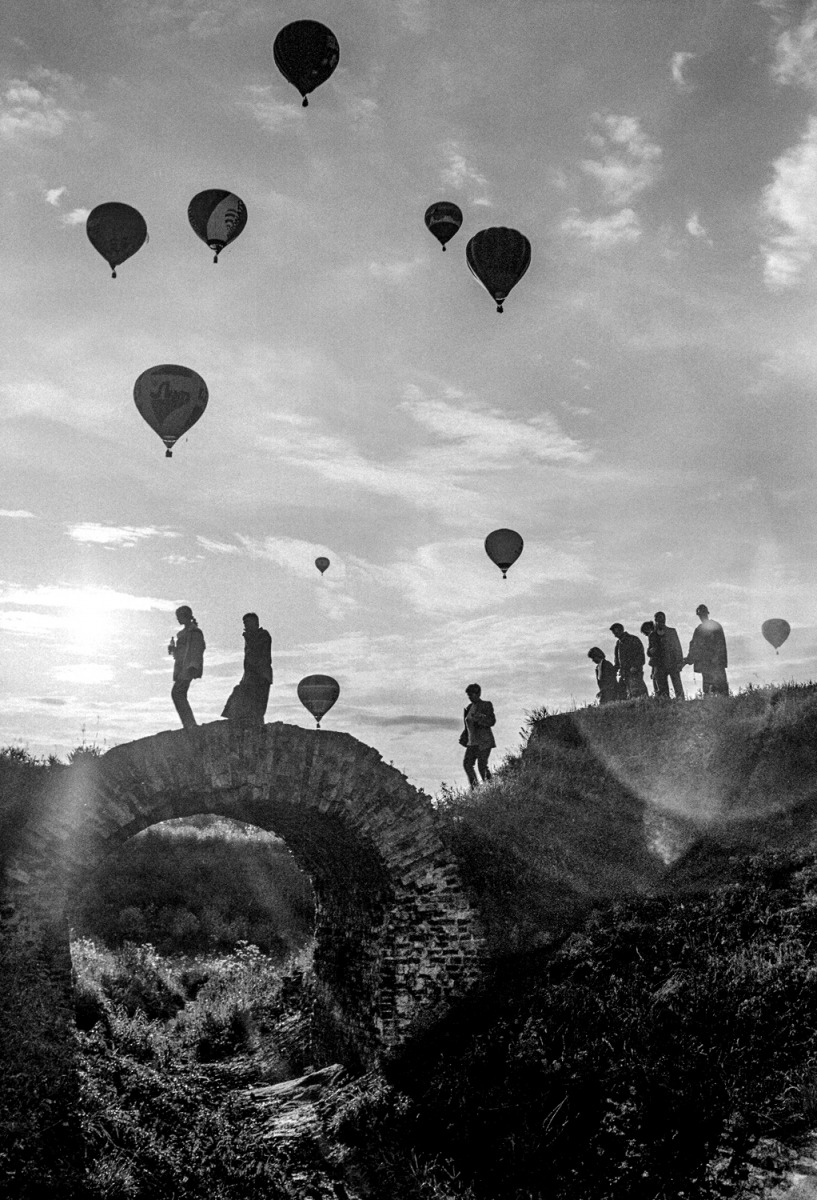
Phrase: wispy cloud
[395,271]
[790,206]
[54,195]
[261,102]
[795,49]
[16,513]
[629,162]
[88,599]
[604,232]
[42,105]
[411,721]
[117,535]
[459,172]
[77,216]
[678,62]
[695,229]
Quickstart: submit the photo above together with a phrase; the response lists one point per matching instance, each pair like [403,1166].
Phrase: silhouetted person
[707,654]
[605,676]
[188,654]
[477,738]
[629,661]
[247,702]
[648,631]
[668,658]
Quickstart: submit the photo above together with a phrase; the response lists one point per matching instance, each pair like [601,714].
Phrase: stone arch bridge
[396,936]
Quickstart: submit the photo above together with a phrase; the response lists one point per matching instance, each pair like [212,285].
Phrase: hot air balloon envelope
[116,231]
[498,257]
[318,693]
[217,217]
[306,53]
[171,399]
[321,563]
[503,547]
[775,631]
[443,220]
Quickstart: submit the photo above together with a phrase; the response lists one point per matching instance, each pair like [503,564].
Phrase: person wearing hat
[477,738]
[707,654]
[605,676]
[629,661]
[187,649]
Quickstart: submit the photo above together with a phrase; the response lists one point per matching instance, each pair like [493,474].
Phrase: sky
[642,413]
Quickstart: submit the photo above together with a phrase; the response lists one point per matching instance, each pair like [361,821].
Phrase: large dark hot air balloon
[443,219]
[503,547]
[306,53]
[775,631]
[322,563]
[171,399]
[318,693]
[498,257]
[217,217]
[116,231]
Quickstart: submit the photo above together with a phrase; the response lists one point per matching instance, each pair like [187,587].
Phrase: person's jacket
[667,653]
[707,650]
[258,653]
[606,679]
[629,654]
[477,720]
[188,656]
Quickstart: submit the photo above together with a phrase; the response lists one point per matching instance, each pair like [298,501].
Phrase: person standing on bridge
[187,649]
[247,702]
[477,738]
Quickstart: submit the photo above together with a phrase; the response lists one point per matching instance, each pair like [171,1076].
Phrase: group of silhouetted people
[247,703]
[623,678]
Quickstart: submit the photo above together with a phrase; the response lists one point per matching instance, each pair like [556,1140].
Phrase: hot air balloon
[498,257]
[116,231]
[171,399]
[321,563]
[306,53]
[217,217]
[318,693]
[503,547]
[775,631]
[443,219]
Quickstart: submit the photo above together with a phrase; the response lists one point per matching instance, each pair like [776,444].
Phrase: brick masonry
[396,937]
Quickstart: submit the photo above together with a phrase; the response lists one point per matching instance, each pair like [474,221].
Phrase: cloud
[89,599]
[77,216]
[116,535]
[490,435]
[16,513]
[460,174]
[695,229]
[414,16]
[410,721]
[272,114]
[87,673]
[38,106]
[790,205]
[49,700]
[54,195]
[396,271]
[604,232]
[630,162]
[677,64]
[795,52]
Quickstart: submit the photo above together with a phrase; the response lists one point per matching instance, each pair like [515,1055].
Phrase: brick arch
[396,937]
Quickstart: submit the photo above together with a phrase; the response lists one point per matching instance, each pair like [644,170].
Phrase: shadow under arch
[396,937]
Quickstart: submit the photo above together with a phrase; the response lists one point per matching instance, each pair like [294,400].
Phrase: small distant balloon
[503,547]
[775,631]
[498,258]
[306,53]
[218,217]
[321,563]
[318,693]
[171,399]
[443,219]
[116,231]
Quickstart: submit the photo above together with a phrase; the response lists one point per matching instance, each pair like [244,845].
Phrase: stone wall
[396,936]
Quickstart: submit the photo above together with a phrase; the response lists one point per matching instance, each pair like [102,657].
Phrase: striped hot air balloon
[218,217]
